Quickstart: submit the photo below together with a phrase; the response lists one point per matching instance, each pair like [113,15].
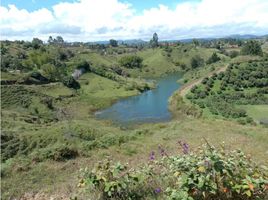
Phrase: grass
[157,63]
[103,87]
[257,112]
[265,47]
[101,92]
[11,76]
[55,90]
[43,177]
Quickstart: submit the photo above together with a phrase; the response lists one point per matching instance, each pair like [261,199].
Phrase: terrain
[50,93]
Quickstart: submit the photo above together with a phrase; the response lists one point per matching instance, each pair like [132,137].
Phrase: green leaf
[248,193]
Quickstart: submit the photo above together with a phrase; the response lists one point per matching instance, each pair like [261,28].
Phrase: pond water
[150,106]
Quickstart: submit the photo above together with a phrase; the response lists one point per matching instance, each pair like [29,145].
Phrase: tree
[154,41]
[196,42]
[50,40]
[59,40]
[131,61]
[252,47]
[37,43]
[113,43]
[213,58]
[197,61]
[3,50]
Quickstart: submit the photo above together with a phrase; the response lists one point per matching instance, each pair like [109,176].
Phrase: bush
[70,82]
[197,61]
[131,61]
[50,72]
[208,174]
[233,54]
[213,58]
[83,65]
[252,48]
[57,153]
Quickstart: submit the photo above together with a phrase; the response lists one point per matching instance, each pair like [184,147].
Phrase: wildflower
[152,155]
[185,147]
[157,190]
[162,151]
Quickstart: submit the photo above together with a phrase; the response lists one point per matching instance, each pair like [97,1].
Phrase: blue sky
[32,5]
[91,20]
[139,5]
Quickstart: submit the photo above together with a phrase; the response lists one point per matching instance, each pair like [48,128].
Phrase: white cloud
[19,20]
[88,20]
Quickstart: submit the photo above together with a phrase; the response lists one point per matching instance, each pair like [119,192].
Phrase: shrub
[50,72]
[213,58]
[233,54]
[57,153]
[252,48]
[48,101]
[71,82]
[83,65]
[208,174]
[131,61]
[197,61]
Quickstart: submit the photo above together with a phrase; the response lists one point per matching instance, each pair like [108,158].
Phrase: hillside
[51,92]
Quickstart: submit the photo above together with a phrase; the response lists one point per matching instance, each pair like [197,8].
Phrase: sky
[95,20]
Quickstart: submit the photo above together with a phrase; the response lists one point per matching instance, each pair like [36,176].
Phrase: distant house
[234,46]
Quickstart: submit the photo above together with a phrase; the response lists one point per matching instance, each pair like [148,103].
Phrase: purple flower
[162,151]
[157,190]
[152,155]
[185,147]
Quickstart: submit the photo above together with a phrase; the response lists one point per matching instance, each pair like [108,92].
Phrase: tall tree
[37,43]
[50,40]
[113,43]
[59,40]
[196,42]
[154,41]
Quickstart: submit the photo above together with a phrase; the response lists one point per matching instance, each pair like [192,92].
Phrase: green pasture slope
[49,132]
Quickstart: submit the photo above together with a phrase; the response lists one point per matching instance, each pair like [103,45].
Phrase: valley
[65,107]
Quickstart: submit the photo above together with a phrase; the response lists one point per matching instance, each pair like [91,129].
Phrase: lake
[150,106]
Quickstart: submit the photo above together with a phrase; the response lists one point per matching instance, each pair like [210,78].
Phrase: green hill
[48,125]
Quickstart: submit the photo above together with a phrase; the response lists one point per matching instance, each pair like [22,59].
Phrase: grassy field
[257,112]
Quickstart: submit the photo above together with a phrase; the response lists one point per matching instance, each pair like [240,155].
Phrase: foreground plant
[208,173]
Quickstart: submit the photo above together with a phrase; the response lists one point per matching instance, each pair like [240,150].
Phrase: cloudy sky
[93,20]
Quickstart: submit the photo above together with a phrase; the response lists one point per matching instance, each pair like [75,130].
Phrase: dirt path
[185,89]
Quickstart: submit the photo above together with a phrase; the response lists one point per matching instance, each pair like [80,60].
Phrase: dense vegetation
[131,62]
[240,84]
[51,90]
[206,174]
